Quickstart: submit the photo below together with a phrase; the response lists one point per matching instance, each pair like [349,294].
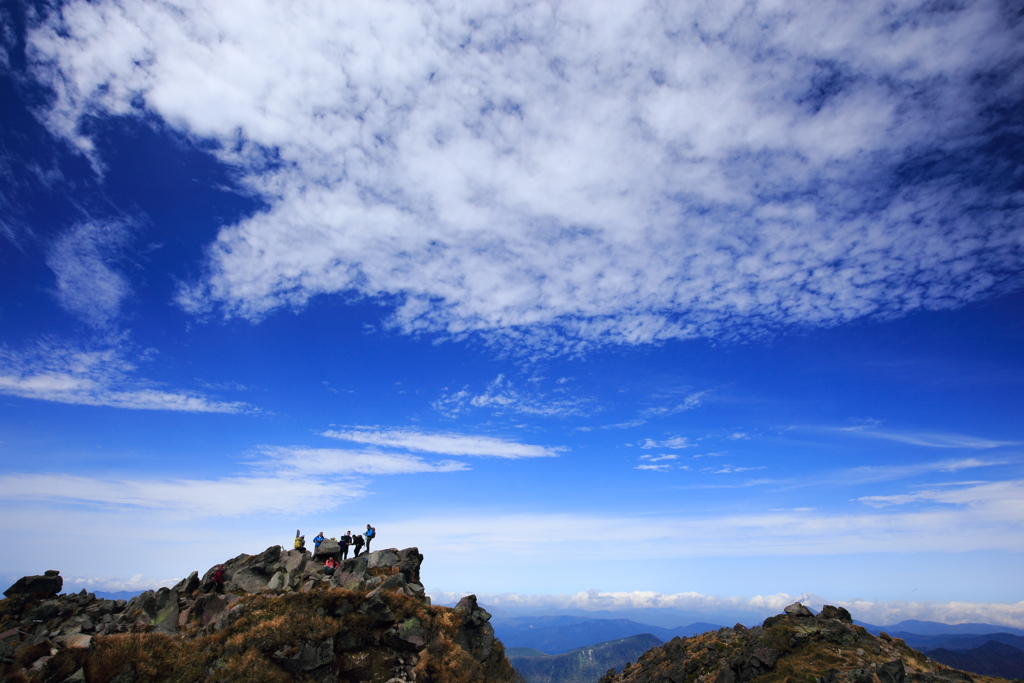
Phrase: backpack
[300,542]
[371,532]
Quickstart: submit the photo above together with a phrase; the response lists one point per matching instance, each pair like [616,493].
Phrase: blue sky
[607,307]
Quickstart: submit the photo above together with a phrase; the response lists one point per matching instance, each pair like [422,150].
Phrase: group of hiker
[356,541]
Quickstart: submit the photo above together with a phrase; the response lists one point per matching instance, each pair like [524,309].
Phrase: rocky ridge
[797,646]
[279,618]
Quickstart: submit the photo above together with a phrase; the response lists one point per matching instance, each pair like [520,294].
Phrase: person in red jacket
[330,565]
[217,580]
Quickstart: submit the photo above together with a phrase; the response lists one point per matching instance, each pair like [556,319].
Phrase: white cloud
[736,436]
[974,518]
[185,498]
[931,440]
[889,472]
[284,480]
[730,469]
[654,468]
[689,403]
[95,377]
[501,396]
[604,173]
[656,458]
[447,444]
[296,460]
[674,442]
[87,285]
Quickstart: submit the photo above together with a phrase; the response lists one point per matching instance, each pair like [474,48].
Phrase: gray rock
[840,613]
[188,585]
[45,586]
[328,547]
[377,612]
[798,610]
[307,658]
[408,636]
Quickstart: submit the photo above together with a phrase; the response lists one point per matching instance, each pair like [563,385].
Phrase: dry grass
[152,654]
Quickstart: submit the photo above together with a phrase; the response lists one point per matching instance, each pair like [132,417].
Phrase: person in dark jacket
[344,543]
[357,541]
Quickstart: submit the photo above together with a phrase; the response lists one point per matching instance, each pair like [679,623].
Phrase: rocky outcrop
[278,618]
[795,646]
[44,586]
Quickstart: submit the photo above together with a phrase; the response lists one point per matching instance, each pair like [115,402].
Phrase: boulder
[188,585]
[840,613]
[475,634]
[307,658]
[328,547]
[75,642]
[45,586]
[798,610]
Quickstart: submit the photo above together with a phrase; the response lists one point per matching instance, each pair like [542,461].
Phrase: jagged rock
[377,612]
[475,634]
[306,658]
[156,609]
[47,585]
[798,610]
[840,613]
[408,635]
[188,585]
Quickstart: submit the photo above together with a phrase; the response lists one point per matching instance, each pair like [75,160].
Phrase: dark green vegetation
[583,665]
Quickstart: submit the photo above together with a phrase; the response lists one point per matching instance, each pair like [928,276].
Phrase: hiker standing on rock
[357,541]
[317,540]
[370,534]
[344,543]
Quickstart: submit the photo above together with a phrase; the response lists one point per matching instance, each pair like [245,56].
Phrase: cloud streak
[606,174]
[94,377]
[446,444]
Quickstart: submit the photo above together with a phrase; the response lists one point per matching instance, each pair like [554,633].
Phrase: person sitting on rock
[300,543]
[370,534]
[344,543]
[330,565]
[317,540]
[357,541]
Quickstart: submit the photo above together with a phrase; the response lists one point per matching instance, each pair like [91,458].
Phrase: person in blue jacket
[370,534]
[316,543]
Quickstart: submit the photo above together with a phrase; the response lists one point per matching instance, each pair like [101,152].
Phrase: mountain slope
[584,665]
[991,658]
[796,647]
[279,618]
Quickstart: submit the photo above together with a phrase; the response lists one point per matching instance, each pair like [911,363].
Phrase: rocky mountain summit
[279,618]
[795,647]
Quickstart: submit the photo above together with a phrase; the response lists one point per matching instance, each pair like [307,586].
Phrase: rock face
[44,586]
[793,647]
[279,618]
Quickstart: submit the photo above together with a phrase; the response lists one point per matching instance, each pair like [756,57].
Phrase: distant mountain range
[582,665]
[547,649]
[558,634]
